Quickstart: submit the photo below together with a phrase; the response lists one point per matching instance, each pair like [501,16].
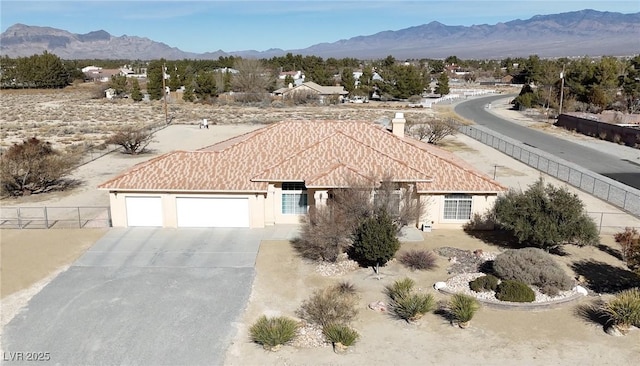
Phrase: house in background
[273,175]
[323,92]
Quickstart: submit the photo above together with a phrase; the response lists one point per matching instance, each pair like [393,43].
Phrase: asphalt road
[141,296]
[601,162]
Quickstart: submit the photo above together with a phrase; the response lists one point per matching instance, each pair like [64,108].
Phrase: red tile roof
[323,154]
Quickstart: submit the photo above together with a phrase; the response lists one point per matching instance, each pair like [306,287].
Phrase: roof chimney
[397,124]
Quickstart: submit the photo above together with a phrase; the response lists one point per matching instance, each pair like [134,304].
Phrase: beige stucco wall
[434,212]
[169,208]
[266,209]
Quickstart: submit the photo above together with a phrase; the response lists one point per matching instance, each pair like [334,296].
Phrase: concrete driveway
[142,296]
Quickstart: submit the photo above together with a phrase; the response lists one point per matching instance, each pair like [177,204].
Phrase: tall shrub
[545,217]
[375,241]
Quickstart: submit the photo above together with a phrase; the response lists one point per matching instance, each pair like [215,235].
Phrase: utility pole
[561,91]
[164,93]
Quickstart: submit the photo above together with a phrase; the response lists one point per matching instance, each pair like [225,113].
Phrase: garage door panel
[212,212]
[144,211]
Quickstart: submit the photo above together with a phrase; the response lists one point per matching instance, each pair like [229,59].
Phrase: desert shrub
[412,306]
[331,305]
[463,307]
[346,288]
[514,291]
[322,237]
[484,283]
[629,240]
[340,333]
[302,97]
[272,332]
[624,310]
[34,167]
[133,140]
[400,288]
[418,259]
[406,304]
[545,217]
[532,266]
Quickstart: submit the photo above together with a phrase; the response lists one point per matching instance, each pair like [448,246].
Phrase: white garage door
[144,211]
[212,212]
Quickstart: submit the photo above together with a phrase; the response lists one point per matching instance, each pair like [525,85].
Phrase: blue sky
[201,26]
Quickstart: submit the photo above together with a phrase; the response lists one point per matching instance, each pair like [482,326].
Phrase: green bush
[340,333]
[418,259]
[375,241]
[272,332]
[624,310]
[484,283]
[545,217]
[514,291]
[463,307]
[532,266]
[331,305]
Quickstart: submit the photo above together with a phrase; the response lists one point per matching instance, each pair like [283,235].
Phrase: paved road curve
[601,162]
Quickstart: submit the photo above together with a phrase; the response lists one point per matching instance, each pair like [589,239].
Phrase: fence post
[79,221]
[46,218]
[19,219]
[601,219]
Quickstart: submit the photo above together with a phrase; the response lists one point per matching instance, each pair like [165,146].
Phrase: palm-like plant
[624,310]
[462,308]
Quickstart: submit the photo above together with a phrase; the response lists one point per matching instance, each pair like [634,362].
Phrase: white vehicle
[359,99]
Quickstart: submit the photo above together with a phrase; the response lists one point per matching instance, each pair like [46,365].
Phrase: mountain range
[579,33]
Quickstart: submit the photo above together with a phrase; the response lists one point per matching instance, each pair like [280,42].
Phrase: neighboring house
[273,175]
[322,91]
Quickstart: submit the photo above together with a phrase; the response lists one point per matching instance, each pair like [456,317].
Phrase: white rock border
[460,284]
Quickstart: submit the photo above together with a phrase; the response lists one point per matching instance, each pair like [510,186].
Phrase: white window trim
[294,192]
[460,197]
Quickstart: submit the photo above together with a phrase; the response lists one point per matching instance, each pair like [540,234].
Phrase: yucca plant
[462,308]
[412,307]
[624,310]
[340,335]
[400,288]
[273,333]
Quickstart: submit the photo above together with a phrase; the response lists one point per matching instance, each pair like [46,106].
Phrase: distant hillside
[579,33]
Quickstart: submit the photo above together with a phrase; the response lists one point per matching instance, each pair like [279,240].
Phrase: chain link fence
[620,195]
[54,217]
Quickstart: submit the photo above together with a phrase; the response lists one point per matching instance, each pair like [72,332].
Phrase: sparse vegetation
[272,333]
[532,266]
[331,305]
[34,167]
[134,141]
[629,241]
[418,259]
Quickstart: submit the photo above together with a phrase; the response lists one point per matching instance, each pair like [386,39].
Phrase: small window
[457,207]
[294,198]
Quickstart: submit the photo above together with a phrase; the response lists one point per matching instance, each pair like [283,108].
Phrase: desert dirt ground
[496,337]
